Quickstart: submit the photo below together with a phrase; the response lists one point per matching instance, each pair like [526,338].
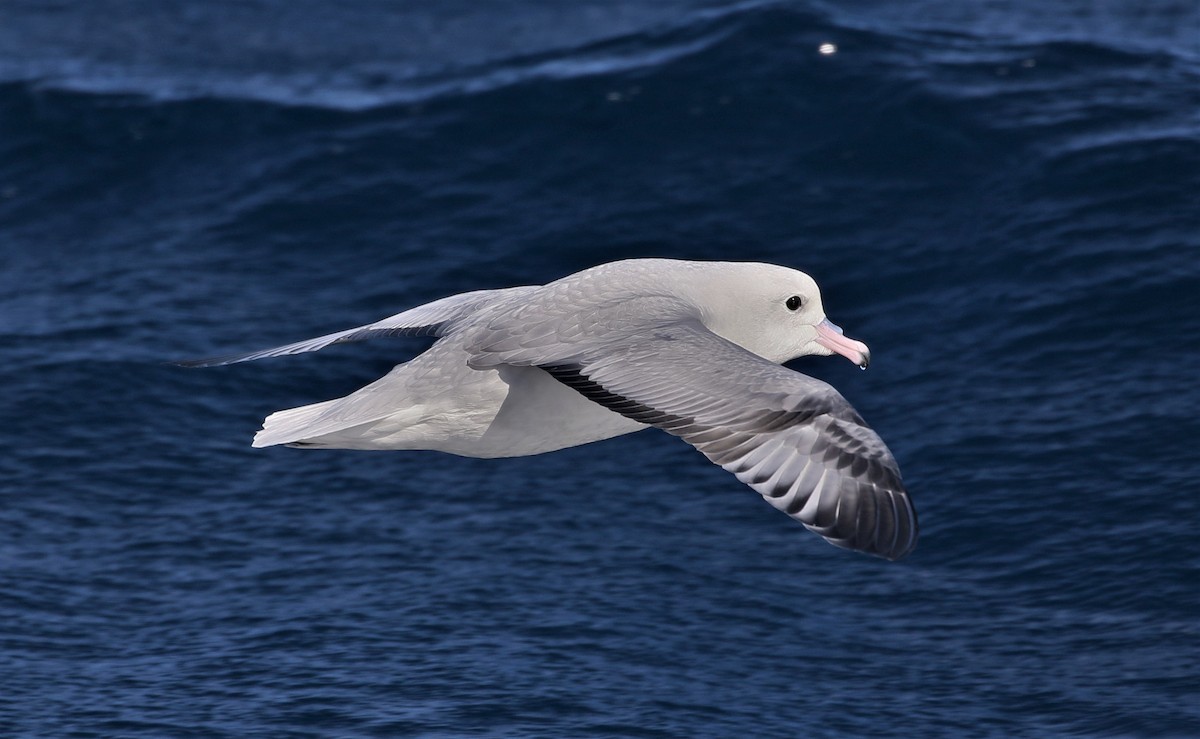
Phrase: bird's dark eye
[794,302]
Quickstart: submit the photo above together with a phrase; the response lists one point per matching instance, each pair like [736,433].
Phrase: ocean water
[1001,198]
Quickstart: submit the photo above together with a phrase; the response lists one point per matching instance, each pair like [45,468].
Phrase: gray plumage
[692,348]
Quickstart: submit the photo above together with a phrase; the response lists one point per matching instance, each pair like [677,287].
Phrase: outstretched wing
[790,437]
[431,319]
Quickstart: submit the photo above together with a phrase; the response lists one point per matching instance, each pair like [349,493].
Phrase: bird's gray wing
[431,319]
[790,437]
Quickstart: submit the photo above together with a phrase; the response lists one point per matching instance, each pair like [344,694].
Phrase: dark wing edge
[816,460]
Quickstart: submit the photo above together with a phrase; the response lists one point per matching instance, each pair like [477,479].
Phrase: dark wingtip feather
[895,530]
[871,520]
[191,363]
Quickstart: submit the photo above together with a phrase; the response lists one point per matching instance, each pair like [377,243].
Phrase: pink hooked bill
[829,335]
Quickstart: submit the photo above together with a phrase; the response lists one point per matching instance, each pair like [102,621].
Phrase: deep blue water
[1003,201]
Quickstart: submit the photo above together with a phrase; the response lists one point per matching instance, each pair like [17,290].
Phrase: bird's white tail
[294,424]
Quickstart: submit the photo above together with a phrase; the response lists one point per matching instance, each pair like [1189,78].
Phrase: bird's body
[692,348]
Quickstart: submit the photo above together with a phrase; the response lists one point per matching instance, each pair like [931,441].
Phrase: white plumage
[693,348]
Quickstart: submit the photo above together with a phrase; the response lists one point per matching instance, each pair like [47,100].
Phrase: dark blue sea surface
[1001,198]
